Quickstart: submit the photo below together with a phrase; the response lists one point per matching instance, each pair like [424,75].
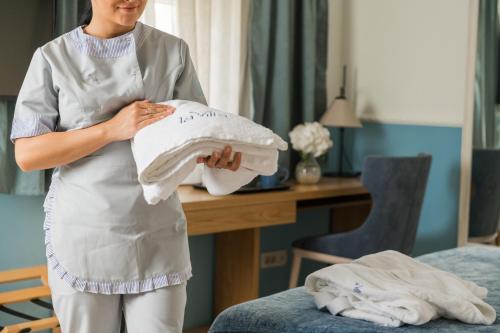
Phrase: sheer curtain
[216,32]
[161,14]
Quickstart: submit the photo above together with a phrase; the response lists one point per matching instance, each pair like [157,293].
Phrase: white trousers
[157,311]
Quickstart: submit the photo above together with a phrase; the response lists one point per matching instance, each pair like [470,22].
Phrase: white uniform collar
[108,47]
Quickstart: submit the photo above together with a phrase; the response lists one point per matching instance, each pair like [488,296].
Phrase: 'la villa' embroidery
[194,114]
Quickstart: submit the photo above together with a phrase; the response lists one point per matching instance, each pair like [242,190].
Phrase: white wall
[336,48]
[407,59]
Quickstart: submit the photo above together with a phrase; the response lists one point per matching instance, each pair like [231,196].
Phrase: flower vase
[308,170]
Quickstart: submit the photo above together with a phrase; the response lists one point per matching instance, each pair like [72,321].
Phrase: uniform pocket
[106,88]
[92,87]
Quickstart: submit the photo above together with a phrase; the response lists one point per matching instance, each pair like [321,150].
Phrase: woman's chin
[127,20]
[127,17]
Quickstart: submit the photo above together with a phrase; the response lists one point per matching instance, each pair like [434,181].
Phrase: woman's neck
[105,30]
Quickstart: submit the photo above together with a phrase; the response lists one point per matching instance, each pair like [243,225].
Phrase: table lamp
[341,114]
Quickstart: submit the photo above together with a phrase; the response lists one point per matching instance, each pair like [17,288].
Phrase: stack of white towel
[391,289]
[165,152]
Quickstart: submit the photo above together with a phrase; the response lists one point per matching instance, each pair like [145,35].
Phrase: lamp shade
[340,114]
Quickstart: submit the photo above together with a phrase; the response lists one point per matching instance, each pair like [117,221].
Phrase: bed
[294,311]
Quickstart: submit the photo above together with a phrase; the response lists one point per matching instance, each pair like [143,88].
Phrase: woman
[86,93]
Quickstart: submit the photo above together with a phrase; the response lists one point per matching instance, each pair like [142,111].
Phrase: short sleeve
[36,110]
[187,86]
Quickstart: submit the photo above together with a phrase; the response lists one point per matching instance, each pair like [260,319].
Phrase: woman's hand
[130,119]
[221,161]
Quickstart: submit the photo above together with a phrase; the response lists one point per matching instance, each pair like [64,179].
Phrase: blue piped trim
[108,47]
[102,287]
[32,125]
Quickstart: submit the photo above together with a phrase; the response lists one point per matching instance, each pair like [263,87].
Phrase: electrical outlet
[273,259]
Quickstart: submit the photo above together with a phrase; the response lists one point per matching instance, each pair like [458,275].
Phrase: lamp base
[342,174]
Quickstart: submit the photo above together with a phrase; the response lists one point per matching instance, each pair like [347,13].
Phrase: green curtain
[487,87]
[288,52]
[68,13]
[12,179]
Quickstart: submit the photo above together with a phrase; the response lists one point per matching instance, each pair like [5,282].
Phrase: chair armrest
[23,295]
[33,326]
[21,274]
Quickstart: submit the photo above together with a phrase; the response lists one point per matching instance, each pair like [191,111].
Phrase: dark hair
[87,13]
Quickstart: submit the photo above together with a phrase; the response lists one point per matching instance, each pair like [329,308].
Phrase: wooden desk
[236,220]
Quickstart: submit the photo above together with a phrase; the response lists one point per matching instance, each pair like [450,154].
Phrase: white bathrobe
[391,289]
[165,152]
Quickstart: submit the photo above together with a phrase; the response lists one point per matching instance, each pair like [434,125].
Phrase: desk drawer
[209,221]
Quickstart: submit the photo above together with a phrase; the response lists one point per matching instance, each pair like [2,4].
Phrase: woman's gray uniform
[101,236]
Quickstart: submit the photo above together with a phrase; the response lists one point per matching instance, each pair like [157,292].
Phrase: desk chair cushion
[294,311]
[397,186]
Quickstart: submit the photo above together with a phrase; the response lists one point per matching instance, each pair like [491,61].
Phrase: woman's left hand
[221,161]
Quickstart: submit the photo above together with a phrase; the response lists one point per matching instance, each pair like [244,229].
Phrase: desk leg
[236,267]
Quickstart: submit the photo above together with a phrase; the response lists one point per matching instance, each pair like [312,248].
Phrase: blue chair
[397,187]
[484,213]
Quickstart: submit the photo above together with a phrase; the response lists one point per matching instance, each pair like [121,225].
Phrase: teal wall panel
[439,217]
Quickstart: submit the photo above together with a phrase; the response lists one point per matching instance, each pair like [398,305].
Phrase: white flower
[311,138]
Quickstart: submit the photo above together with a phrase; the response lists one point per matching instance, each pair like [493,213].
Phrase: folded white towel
[391,289]
[165,152]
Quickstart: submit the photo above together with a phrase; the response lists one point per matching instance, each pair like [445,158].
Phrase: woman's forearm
[58,148]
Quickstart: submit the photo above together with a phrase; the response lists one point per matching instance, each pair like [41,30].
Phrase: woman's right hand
[131,118]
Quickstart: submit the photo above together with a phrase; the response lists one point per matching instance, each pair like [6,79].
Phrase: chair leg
[58,328]
[299,254]
[489,239]
[322,257]
[294,275]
